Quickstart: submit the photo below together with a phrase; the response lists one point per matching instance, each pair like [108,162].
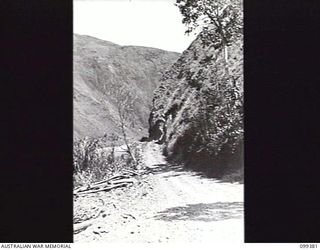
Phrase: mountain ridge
[100,69]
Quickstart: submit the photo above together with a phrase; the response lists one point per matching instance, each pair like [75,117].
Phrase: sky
[150,23]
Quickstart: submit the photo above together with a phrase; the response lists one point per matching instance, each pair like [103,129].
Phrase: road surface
[166,205]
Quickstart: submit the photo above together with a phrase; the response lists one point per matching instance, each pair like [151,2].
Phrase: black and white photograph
[160,124]
[158,121]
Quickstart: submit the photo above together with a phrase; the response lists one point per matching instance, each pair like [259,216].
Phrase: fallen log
[129,180]
[91,188]
[121,176]
[97,184]
[77,228]
[83,188]
[131,171]
[111,178]
[104,189]
[103,185]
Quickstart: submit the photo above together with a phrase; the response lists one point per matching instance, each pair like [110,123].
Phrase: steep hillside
[104,73]
[197,109]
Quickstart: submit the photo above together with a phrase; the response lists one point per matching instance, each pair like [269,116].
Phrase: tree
[125,109]
[220,21]
[214,137]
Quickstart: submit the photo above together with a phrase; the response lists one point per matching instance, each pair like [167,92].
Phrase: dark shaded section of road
[203,212]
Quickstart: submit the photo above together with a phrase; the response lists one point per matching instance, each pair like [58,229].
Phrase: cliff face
[102,68]
[197,109]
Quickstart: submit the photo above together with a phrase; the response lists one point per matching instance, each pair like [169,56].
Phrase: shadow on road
[163,168]
[168,168]
[179,170]
[203,212]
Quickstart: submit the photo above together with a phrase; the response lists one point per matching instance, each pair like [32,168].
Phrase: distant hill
[100,68]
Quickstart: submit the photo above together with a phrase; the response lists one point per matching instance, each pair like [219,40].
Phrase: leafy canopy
[220,21]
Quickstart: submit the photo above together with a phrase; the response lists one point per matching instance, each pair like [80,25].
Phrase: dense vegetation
[95,159]
[199,105]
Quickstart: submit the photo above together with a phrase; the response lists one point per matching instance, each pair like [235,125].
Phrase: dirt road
[166,205]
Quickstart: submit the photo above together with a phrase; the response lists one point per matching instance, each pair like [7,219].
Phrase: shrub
[95,159]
